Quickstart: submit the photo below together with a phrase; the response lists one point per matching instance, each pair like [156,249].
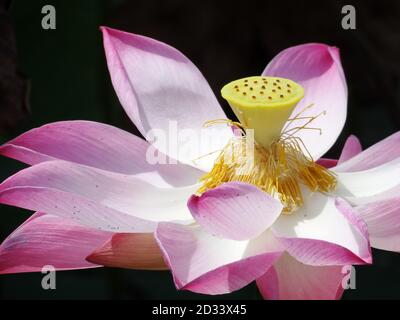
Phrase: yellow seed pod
[263,104]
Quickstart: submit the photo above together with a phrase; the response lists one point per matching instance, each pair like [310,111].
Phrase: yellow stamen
[277,163]
[278,170]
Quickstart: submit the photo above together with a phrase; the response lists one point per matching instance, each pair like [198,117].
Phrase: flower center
[264,153]
[263,104]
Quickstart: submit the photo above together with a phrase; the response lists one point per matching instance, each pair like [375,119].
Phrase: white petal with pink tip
[318,69]
[203,263]
[235,210]
[158,86]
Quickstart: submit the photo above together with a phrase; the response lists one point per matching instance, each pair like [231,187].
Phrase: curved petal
[290,279]
[352,147]
[324,232]
[49,240]
[165,95]
[382,216]
[235,210]
[327,163]
[81,210]
[381,213]
[368,182]
[318,69]
[384,196]
[130,250]
[379,154]
[203,263]
[96,197]
[100,146]
[388,242]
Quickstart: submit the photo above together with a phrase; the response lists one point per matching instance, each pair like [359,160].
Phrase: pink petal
[235,210]
[351,148]
[49,240]
[130,250]
[159,87]
[327,163]
[203,263]
[369,182]
[324,232]
[96,198]
[318,69]
[389,242]
[382,215]
[97,145]
[69,206]
[290,279]
[380,153]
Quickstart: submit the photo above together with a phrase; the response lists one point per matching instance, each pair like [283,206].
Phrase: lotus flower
[99,202]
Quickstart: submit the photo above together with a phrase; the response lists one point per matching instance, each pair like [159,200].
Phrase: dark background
[53,75]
